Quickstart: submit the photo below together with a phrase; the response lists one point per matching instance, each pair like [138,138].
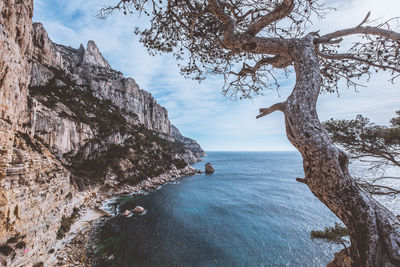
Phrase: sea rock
[103,212]
[209,168]
[138,210]
[126,213]
[188,170]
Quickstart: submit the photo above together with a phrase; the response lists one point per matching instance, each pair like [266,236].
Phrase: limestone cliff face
[191,144]
[15,50]
[35,196]
[95,121]
[35,191]
[88,68]
[78,130]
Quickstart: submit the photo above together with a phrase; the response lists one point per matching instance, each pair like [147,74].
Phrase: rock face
[209,168]
[87,69]
[188,142]
[72,89]
[35,196]
[34,187]
[96,122]
[76,130]
[15,51]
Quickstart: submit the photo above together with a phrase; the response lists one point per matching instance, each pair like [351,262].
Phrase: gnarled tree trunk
[374,230]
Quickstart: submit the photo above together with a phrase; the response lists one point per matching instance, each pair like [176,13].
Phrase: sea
[250,212]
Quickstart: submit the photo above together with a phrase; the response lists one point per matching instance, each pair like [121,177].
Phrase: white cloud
[199,110]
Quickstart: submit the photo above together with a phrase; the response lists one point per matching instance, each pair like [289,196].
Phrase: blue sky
[199,110]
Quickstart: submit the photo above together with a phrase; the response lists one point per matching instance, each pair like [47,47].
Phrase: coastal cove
[250,212]
[103,137]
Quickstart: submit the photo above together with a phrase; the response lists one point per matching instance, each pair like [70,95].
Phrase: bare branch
[378,50]
[365,19]
[349,56]
[275,107]
[378,189]
[302,180]
[367,30]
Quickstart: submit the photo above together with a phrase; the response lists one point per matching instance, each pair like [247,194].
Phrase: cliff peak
[93,56]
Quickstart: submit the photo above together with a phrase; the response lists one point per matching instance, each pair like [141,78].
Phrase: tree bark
[374,230]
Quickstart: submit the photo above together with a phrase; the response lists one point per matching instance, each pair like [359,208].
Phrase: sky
[199,110]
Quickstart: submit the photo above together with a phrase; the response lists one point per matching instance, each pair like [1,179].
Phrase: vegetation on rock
[66,223]
[334,233]
[144,152]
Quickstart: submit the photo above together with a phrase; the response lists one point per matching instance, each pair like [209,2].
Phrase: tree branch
[276,107]
[256,45]
[301,180]
[217,9]
[365,19]
[377,189]
[353,57]
[358,30]
[281,11]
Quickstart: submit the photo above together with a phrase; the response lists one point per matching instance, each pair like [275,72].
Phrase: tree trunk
[374,230]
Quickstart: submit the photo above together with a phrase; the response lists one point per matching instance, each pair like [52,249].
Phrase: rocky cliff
[90,115]
[33,185]
[71,129]
[15,51]
[87,68]
[189,143]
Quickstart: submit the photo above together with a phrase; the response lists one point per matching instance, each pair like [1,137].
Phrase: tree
[247,41]
[364,139]
[378,145]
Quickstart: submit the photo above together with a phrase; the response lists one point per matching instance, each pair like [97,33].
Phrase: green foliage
[66,223]
[85,107]
[148,153]
[334,234]
[395,122]
[362,138]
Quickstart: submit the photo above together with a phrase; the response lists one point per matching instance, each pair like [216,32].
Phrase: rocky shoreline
[77,247]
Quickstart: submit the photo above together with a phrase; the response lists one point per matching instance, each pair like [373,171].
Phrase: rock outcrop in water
[209,168]
[78,131]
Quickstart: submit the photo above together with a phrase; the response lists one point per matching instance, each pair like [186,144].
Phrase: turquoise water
[250,212]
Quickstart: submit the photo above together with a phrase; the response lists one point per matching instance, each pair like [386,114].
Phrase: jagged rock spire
[93,56]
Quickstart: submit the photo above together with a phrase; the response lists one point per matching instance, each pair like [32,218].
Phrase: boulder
[209,168]
[138,210]
[126,213]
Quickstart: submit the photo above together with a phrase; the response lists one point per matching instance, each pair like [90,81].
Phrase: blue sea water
[250,212]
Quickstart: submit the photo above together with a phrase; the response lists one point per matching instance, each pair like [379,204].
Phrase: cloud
[199,110]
